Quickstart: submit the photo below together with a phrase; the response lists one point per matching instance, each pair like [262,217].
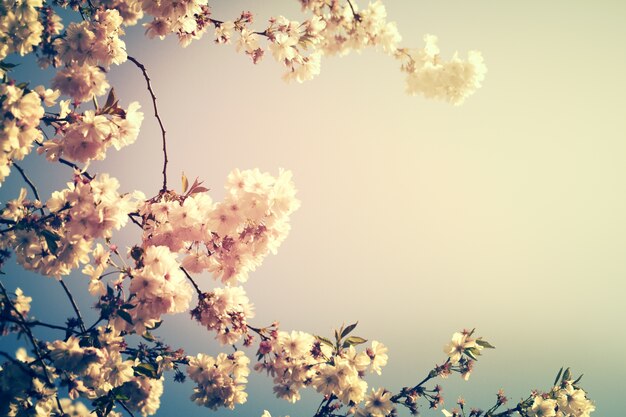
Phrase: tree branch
[30,336]
[192,281]
[156,114]
[30,184]
[74,306]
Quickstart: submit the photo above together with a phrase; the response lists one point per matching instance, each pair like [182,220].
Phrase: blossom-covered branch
[185,233]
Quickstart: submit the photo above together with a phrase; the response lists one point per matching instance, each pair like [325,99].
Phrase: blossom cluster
[22,111]
[220,381]
[20,28]
[429,75]
[230,238]
[226,312]
[157,287]
[89,135]
[61,241]
[87,49]
[297,360]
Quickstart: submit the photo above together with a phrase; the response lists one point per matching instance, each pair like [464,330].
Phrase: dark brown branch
[30,184]
[130,413]
[192,281]
[74,305]
[73,165]
[156,115]
[39,323]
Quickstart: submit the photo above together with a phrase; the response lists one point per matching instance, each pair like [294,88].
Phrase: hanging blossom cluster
[62,240]
[220,381]
[231,238]
[87,49]
[225,311]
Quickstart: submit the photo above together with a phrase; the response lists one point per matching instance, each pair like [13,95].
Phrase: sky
[418,218]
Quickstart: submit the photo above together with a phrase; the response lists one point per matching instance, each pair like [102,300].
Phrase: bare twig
[30,184]
[192,281]
[74,305]
[130,413]
[156,115]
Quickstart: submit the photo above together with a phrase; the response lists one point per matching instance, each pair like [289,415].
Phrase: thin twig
[21,364]
[132,218]
[125,408]
[41,324]
[30,184]
[73,165]
[74,305]
[354,13]
[192,281]
[156,115]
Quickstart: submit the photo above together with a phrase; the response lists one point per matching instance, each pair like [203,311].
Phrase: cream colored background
[418,218]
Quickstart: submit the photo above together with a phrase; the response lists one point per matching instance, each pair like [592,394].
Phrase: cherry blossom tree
[100,367]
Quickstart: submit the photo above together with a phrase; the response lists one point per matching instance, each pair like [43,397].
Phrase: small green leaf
[348,329]
[337,338]
[558,376]
[353,341]
[567,375]
[128,306]
[485,344]
[148,336]
[146,369]
[325,341]
[578,379]
[51,240]
[125,316]
[156,325]
[472,353]
[8,65]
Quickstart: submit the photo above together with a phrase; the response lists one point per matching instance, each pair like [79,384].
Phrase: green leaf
[472,353]
[567,375]
[111,99]
[485,344]
[128,306]
[156,325]
[337,338]
[51,240]
[578,379]
[325,341]
[121,397]
[348,329]
[8,65]
[148,336]
[146,369]
[558,376]
[125,316]
[353,341]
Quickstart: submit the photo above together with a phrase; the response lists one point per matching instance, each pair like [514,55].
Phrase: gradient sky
[418,218]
